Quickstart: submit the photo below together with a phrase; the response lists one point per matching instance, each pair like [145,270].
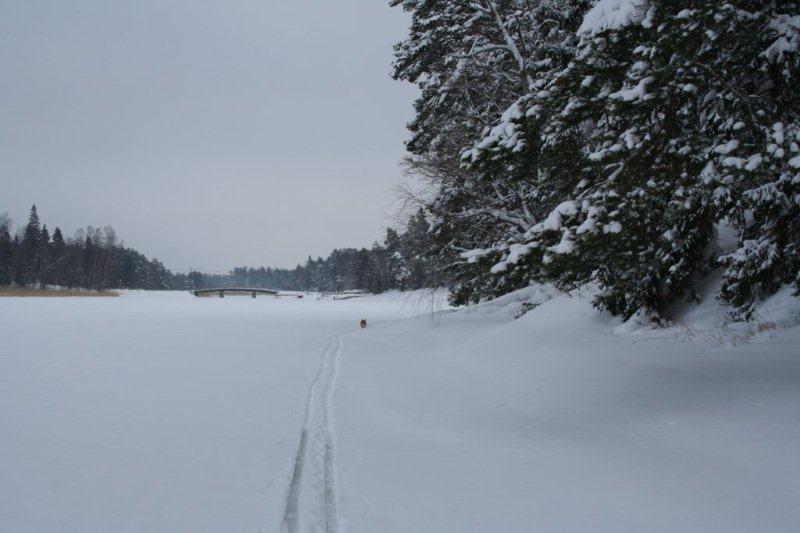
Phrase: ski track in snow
[311,496]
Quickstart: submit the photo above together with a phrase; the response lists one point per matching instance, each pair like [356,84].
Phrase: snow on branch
[611,15]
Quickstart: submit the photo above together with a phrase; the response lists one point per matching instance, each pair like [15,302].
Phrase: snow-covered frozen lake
[162,412]
[158,411]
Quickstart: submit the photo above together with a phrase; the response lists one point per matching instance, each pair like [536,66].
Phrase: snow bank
[710,321]
[553,423]
[514,304]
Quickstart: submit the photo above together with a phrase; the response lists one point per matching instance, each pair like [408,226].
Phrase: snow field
[164,412]
[158,411]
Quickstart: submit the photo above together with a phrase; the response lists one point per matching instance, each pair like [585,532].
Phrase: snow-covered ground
[164,412]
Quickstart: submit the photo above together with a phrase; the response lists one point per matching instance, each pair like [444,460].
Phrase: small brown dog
[363,322]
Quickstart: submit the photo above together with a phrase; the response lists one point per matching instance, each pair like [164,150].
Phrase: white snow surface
[164,412]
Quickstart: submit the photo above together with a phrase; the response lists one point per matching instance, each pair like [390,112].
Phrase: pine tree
[45,257]
[467,58]
[641,219]
[58,240]
[763,168]
[394,261]
[415,251]
[689,122]
[657,129]
[510,157]
[58,258]
[364,275]
[6,251]
[89,264]
[33,230]
[623,142]
[30,260]
[480,65]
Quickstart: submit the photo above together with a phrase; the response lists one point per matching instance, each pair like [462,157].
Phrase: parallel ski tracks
[311,496]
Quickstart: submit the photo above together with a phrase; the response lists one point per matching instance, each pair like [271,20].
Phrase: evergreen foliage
[617,137]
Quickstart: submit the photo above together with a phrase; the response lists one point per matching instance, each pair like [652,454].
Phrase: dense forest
[608,142]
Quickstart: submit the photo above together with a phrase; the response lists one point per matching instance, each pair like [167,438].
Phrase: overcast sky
[207,133]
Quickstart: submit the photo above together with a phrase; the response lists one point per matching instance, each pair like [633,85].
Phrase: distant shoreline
[25,292]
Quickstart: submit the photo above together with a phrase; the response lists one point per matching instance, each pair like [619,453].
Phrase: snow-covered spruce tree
[641,219]
[466,58]
[764,162]
[509,155]
[472,60]
[652,99]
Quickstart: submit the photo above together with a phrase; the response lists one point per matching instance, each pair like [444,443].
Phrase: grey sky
[207,133]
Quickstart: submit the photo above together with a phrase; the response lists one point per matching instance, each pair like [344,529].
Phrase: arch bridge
[253,292]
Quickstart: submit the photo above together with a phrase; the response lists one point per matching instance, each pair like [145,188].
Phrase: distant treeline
[400,262]
[93,258]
